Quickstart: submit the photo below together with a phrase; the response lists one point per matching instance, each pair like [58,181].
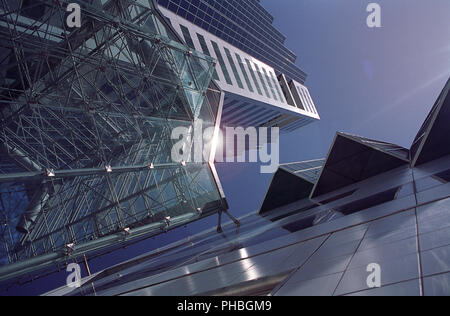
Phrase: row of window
[302,98]
[235,14]
[236,23]
[270,84]
[306,100]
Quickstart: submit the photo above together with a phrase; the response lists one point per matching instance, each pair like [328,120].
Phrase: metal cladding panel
[329,258]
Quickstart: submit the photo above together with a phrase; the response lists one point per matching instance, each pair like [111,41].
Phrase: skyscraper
[373,218]
[86,116]
[263,86]
[245,25]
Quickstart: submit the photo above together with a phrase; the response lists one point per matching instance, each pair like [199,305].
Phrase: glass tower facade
[243,24]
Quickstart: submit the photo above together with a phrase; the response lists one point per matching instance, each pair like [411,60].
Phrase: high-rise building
[263,86]
[86,116]
[372,218]
[245,25]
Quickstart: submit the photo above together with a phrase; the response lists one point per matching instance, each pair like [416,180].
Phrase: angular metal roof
[432,141]
[307,170]
[353,159]
[291,182]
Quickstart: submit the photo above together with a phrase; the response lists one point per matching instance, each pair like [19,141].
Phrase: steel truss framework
[86,117]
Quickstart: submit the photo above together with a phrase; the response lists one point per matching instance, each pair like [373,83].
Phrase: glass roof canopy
[86,118]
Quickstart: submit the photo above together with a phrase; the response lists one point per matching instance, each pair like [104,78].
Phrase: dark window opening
[300,224]
[338,197]
[368,202]
[293,212]
[314,220]
[338,212]
[444,177]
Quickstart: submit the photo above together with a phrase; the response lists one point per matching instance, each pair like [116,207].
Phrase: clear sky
[377,83]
